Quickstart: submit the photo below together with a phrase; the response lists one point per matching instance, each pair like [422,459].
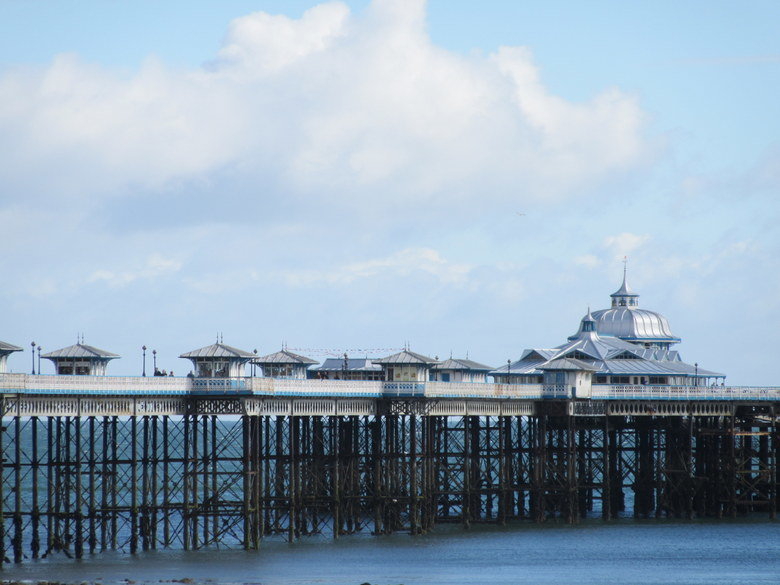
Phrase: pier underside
[202,472]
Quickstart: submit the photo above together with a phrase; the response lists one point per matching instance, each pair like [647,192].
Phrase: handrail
[162,385]
[648,392]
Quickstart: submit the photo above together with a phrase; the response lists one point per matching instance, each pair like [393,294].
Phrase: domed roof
[627,321]
[634,324]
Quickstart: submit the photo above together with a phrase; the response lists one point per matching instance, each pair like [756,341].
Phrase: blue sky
[463,177]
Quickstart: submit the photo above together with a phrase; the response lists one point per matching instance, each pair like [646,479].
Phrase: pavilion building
[406,366]
[284,364]
[6,349]
[623,345]
[218,361]
[80,360]
[460,370]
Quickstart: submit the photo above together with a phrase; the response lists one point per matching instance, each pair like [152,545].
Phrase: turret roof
[218,350]
[81,351]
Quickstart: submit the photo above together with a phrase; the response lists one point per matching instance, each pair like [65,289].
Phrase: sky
[463,178]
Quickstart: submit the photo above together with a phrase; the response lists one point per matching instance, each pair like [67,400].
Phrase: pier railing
[647,392]
[161,386]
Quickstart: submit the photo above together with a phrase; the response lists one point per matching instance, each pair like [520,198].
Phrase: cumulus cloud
[399,264]
[156,265]
[624,244]
[261,43]
[331,109]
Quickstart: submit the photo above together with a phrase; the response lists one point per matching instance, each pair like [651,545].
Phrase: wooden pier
[147,464]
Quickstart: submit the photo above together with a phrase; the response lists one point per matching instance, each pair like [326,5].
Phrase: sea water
[623,552]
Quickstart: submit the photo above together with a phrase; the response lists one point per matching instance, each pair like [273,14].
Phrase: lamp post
[154,358]
[39,358]
[143,371]
[508,367]
[33,357]
[253,362]
[696,374]
[345,367]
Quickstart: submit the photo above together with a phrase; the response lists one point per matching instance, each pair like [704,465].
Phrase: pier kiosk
[406,366]
[284,364]
[80,360]
[218,361]
[460,370]
[572,376]
[6,349]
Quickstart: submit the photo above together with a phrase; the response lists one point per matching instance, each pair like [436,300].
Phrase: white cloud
[587,260]
[404,263]
[624,244]
[261,43]
[156,265]
[332,109]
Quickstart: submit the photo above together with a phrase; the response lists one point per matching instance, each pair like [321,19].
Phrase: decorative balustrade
[117,385]
[647,392]
[329,388]
[161,386]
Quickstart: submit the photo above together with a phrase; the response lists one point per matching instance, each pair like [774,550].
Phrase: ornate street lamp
[143,372]
[253,363]
[39,358]
[154,357]
[33,357]
[508,367]
[696,374]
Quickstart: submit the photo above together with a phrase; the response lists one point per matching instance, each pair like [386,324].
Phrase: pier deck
[93,463]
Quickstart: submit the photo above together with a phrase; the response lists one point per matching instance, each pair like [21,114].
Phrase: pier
[94,463]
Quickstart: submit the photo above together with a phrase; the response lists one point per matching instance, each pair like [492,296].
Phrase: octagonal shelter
[284,364]
[6,349]
[80,360]
[218,361]
[460,370]
[406,366]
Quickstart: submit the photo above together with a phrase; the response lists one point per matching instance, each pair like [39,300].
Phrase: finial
[625,268]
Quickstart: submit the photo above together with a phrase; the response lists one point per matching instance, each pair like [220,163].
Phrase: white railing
[647,392]
[161,385]
[294,387]
[53,384]
[482,390]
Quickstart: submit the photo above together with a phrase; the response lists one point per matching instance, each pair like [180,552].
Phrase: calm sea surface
[625,553]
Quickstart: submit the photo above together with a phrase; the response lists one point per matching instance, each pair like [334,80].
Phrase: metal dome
[626,321]
[635,325]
